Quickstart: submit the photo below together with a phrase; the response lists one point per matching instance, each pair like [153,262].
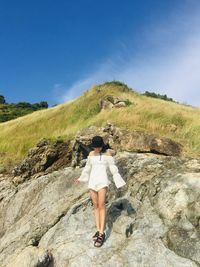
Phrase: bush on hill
[152,94]
[13,111]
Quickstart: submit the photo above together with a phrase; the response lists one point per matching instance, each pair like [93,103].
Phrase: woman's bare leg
[102,207]
[94,197]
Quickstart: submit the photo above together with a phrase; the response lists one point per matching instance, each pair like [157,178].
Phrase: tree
[2,99]
[43,104]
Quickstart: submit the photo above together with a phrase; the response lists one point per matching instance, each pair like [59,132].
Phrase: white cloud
[105,72]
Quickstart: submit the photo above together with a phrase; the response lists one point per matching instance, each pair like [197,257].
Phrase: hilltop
[167,119]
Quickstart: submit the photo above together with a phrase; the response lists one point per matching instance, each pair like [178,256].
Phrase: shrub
[152,94]
[118,83]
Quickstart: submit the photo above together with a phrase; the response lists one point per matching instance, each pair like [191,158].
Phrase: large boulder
[123,140]
[152,221]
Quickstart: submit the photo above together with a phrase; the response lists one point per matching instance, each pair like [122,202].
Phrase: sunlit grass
[167,119]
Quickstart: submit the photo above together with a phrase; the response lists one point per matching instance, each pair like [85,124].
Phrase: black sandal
[100,239]
[95,236]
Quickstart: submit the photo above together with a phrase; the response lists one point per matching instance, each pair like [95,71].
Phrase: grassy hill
[165,118]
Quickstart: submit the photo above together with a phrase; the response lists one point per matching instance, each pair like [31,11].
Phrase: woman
[95,174]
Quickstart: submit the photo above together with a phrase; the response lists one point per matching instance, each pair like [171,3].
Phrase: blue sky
[55,50]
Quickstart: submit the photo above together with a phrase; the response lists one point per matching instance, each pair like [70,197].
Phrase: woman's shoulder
[92,153]
[110,152]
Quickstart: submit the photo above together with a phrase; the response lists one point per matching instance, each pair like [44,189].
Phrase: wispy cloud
[168,62]
[174,67]
[104,72]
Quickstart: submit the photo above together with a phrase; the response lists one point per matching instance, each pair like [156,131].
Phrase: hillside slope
[168,119]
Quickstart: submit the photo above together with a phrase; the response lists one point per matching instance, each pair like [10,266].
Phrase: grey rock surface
[153,221]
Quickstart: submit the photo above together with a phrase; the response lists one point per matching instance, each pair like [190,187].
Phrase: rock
[120,104]
[153,221]
[105,104]
[27,258]
[123,140]
[46,157]
[45,259]
[110,101]
[139,141]
[43,142]
[184,243]
[43,159]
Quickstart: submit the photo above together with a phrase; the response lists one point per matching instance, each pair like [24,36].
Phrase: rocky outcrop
[43,159]
[123,140]
[47,157]
[152,221]
[109,102]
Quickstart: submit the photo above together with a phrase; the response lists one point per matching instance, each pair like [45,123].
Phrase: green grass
[13,111]
[168,119]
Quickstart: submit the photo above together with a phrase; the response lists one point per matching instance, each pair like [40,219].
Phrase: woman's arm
[118,180]
[86,171]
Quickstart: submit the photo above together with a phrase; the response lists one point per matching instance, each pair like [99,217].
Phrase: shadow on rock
[115,210]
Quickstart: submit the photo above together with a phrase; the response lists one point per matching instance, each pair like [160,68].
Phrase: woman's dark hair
[97,141]
[105,147]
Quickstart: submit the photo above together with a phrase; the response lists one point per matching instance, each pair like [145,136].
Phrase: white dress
[95,172]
